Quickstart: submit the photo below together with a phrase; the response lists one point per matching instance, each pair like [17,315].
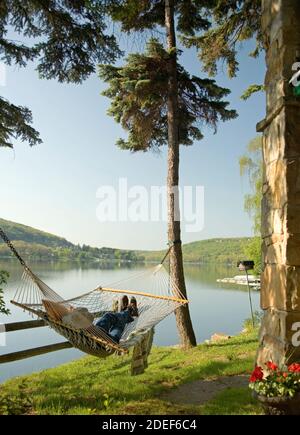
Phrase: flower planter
[280,405]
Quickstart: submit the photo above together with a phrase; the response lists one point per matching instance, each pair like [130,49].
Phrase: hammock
[159,298]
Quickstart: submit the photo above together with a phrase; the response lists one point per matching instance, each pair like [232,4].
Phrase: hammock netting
[156,294]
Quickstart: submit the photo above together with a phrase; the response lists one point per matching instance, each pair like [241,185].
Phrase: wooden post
[137,363]
[140,354]
[28,353]
[19,326]
[147,345]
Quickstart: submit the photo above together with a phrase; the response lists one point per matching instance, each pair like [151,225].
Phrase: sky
[53,186]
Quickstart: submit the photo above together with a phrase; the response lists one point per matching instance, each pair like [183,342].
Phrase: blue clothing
[113,324]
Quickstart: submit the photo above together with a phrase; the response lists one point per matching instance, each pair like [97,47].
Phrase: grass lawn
[104,386]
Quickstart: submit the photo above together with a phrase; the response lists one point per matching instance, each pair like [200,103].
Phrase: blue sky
[53,186]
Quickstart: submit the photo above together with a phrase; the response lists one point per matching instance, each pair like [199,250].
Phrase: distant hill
[31,235]
[39,245]
[219,250]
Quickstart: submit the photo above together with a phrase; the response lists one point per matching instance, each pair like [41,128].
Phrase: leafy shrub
[248,324]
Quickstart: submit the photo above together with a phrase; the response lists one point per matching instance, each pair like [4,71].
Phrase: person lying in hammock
[113,323]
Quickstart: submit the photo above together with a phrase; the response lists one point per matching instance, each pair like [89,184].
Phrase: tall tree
[159,103]
[183,319]
[66,39]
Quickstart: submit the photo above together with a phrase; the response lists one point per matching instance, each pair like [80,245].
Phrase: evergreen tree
[139,94]
[159,103]
[234,21]
[66,38]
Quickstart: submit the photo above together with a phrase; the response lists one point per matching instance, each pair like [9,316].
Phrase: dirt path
[199,392]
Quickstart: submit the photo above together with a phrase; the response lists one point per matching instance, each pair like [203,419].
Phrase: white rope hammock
[157,297]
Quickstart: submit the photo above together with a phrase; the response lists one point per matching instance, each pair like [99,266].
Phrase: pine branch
[15,124]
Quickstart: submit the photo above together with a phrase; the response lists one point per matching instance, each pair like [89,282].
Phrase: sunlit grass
[104,386]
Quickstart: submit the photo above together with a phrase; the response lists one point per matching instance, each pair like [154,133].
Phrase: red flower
[295,368]
[271,366]
[285,374]
[257,374]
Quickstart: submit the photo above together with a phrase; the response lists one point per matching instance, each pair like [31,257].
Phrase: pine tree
[159,103]
[65,38]
[234,21]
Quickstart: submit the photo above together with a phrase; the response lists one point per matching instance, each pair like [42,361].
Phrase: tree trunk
[183,319]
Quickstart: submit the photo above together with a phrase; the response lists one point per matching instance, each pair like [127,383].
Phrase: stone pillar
[280,293]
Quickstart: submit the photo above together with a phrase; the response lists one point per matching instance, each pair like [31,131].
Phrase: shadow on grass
[230,343]
[133,390]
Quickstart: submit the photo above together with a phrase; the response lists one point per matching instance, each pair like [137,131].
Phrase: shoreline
[111,261]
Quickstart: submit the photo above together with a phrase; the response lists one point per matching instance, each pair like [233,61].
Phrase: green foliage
[65,38]
[37,252]
[148,14]
[15,123]
[277,382]
[142,15]
[252,164]
[234,21]
[139,92]
[87,387]
[252,90]
[252,251]
[3,280]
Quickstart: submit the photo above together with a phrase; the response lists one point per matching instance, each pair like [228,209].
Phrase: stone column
[280,293]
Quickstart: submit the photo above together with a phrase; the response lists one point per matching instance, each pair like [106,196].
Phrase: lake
[214,307]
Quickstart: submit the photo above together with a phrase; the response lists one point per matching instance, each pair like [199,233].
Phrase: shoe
[124,303]
[115,306]
[133,307]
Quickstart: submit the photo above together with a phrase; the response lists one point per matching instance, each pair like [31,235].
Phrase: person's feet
[124,303]
[133,307]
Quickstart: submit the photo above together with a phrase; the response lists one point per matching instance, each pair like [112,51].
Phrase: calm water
[213,308]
